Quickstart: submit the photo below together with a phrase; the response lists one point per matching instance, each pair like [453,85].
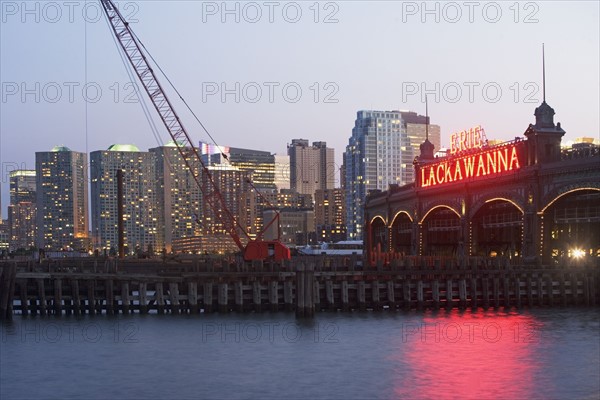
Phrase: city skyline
[46,105]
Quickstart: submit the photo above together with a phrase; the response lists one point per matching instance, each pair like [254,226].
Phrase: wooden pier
[305,285]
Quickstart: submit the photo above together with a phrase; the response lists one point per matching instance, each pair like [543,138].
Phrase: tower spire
[426,120]
[543,74]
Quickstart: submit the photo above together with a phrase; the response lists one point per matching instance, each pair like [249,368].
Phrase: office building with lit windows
[62,199]
[237,205]
[22,209]
[379,154]
[330,216]
[260,163]
[178,196]
[140,208]
[312,167]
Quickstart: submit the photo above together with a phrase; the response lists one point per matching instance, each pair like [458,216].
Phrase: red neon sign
[473,138]
[495,161]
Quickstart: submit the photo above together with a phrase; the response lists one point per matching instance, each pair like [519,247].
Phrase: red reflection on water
[468,355]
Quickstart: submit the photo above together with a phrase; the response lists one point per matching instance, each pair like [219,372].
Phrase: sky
[259,74]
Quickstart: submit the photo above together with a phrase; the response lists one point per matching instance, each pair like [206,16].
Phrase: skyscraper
[379,153]
[140,211]
[62,199]
[311,167]
[22,209]
[236,195]
[282,171]
[416,130]
[178,196]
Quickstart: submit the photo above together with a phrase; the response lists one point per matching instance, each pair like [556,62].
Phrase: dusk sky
[299,70]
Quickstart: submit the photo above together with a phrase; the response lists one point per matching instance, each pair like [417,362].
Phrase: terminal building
[527,199]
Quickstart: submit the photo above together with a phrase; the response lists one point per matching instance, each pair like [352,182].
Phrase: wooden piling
[362,301]
[300,291]
[174,297]
[449,293]
[143,297]
[496,292]
[345,299]
[435,293]
[207,297]
[462,293]
[288,295]
[159,297]
[223,299]
[91,296]
[109,296]
[194,308]
[23,297]
[58,296]
[473,293]
[375,293]
[125,300]
[329,295]
[420,301]
[391,295]
[256,296]
[273,296]
[75,296]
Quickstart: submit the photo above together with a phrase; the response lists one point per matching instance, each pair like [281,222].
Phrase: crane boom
[132,47]
[168,115]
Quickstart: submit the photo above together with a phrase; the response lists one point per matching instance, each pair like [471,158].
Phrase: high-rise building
[330,216]
[311,167]
[282,171]
[379,153]
[417,131]
[140,210]
[260,163]
[234,190]
[62,199]
[22,209]
[178,196]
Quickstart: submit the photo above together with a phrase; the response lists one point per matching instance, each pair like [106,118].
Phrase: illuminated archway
[378,232]
[440,231]
[569,226]
[402,231]
[496,229]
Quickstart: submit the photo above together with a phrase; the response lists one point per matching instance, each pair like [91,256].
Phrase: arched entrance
[497,229]
[401,231]
[440,232]
[378,234]
[570,226]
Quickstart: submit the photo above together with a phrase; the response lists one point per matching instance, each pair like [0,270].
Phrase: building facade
[261,164]
[282,171]
[22,209]
[226,206]
[178,196]
[62,200]
[379,153]
[527,200]
[312,167]
[140,206]
[330,215]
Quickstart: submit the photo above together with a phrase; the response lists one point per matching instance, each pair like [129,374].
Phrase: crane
[255,249]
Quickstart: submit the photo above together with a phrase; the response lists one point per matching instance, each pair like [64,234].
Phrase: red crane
[255,249]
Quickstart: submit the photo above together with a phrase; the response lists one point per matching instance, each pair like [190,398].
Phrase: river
[473,354]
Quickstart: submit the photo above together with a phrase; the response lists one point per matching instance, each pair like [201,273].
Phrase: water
[537,353]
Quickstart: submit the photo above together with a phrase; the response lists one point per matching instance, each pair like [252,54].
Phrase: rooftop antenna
[426,120]
[543,73]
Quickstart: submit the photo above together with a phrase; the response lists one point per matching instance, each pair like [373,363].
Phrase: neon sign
[474,138]
[496,160]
